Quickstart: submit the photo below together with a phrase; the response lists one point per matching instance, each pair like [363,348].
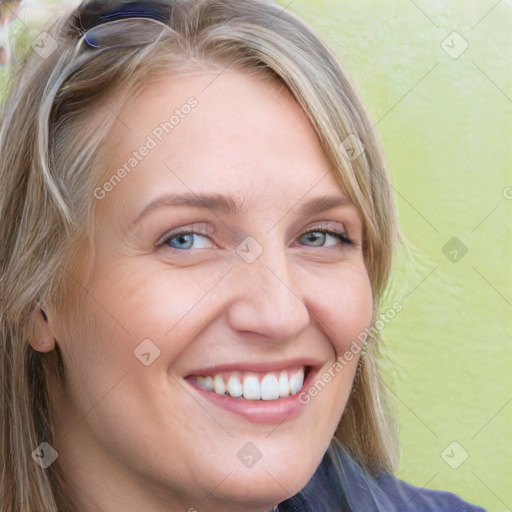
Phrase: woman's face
[245,304]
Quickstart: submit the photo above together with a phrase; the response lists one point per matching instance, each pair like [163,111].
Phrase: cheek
[343,303]
[169,306]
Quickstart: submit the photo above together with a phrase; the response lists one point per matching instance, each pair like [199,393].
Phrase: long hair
[48,145]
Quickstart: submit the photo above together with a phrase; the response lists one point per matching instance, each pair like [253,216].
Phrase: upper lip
[256,367]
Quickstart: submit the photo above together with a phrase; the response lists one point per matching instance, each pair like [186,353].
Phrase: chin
[259,490]
[265,485]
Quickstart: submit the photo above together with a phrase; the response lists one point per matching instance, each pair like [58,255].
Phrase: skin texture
[134,437]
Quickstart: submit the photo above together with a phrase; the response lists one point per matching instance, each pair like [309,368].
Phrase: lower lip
[258,411]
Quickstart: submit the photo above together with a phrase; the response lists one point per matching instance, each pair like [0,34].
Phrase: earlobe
[42,339]
[44,344]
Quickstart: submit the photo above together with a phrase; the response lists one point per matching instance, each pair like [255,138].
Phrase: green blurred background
[436,78]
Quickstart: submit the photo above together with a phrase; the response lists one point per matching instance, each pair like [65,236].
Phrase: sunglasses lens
[127,32]
[98,12]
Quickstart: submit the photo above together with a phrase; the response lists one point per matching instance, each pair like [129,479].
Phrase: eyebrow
[230,205]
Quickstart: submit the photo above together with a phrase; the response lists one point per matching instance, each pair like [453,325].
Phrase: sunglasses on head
[104,24]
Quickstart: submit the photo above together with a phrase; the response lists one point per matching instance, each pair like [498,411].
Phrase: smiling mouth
[254,385]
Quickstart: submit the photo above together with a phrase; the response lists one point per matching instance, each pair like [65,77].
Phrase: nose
[265,299]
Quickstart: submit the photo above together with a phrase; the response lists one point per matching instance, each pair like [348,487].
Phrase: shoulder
[410,498]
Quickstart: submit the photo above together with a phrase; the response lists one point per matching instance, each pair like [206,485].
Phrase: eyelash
[344,239]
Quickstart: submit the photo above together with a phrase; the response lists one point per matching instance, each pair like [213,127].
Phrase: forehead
[231,133]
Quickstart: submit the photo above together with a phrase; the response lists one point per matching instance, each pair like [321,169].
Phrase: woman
[198,227]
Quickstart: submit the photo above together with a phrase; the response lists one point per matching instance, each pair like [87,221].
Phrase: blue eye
[320,236]
[183,240]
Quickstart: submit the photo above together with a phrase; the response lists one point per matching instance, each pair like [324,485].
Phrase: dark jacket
[342,485]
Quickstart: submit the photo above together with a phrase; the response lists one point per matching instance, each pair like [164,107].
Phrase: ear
[43,339]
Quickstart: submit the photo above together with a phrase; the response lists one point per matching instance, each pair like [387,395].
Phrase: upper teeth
[254,386]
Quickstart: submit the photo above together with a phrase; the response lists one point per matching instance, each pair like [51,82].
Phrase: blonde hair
[47,150]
